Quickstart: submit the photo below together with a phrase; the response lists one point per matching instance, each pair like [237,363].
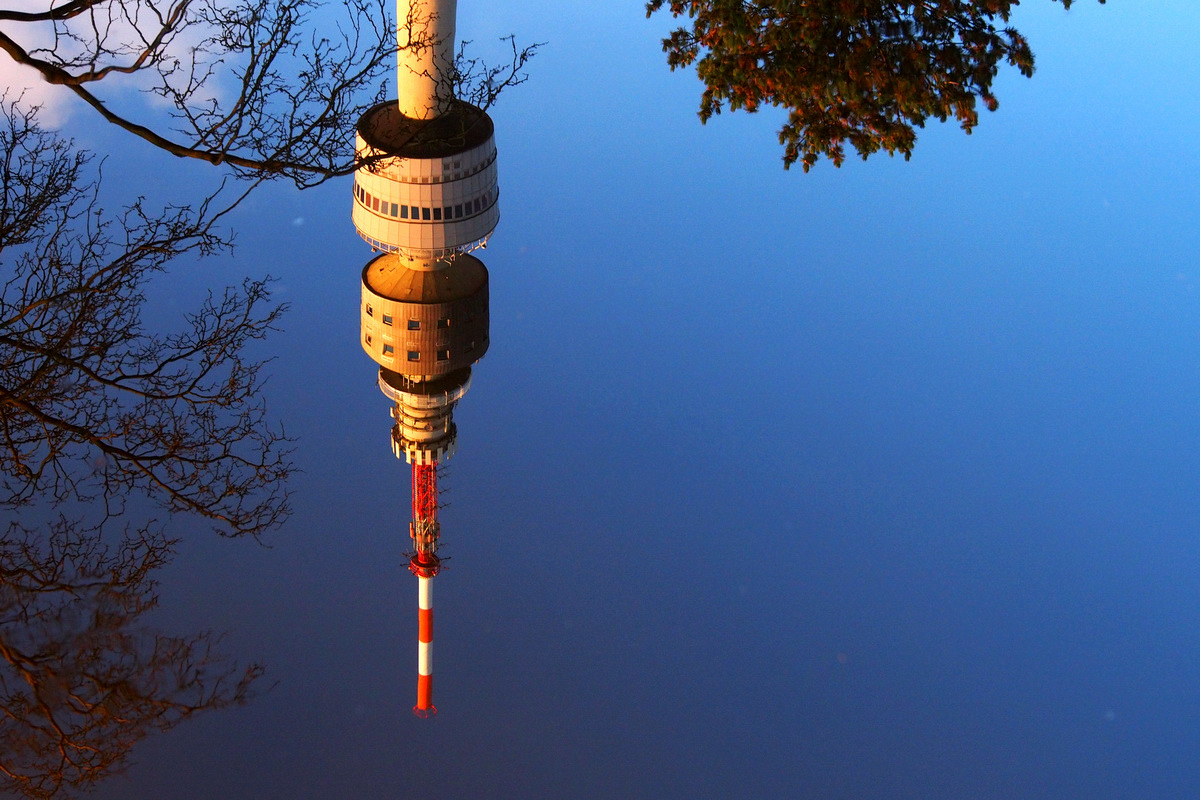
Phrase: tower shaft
[425,63]
[426,195]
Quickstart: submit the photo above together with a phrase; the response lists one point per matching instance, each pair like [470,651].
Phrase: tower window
[388,349]
[403,212]
[395,210]
[425,214]
[443,355]
[414,355]
[416,212]
[457,211]
[414,324]
[437,213]
[374,203]
[387,319]
[370,311]
[367,338]
[446,212]
[443,323]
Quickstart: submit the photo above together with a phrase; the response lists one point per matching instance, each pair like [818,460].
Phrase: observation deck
[427,188]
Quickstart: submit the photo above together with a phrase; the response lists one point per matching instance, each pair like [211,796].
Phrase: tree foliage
[92,404]
[859,71]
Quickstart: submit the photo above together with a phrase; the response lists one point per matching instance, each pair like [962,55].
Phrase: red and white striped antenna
[424,707]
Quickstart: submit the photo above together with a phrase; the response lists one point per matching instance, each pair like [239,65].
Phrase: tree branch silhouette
[268,88]
[82,678]
[93,405]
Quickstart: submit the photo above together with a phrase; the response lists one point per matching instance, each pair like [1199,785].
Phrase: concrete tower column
[425,31]
[426,195]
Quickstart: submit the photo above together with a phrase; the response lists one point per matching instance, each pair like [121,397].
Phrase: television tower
[425,197]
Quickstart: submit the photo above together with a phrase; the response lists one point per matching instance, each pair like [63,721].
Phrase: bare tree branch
[82,678]
[92,405]
[265,87]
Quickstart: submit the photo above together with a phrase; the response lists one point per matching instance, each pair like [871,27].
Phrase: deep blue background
[877,482]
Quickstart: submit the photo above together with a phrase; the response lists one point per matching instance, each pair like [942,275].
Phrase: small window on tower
[415,212]
[414,324]
[374,203]
[443,323]
[367,338]
[437,213]
[443,355]
[469,348]
[403,212]
[370,311]
[414,355]
[425,214]
[447,212]
[395,210]
[388,349]
[387,319]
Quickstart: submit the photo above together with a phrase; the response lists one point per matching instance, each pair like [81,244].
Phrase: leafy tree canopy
[859,71]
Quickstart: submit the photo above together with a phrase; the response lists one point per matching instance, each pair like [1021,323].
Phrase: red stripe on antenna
[425,625]
[424,707]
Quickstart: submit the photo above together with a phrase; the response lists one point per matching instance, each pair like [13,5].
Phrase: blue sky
[876,482]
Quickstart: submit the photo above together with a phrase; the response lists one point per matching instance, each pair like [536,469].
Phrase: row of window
[447,176]
[423,213]
[415,324]
[415,355]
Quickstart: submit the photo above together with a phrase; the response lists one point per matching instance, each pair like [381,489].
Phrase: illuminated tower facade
[425,197]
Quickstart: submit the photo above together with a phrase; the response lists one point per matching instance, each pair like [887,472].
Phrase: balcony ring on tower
[428,188]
